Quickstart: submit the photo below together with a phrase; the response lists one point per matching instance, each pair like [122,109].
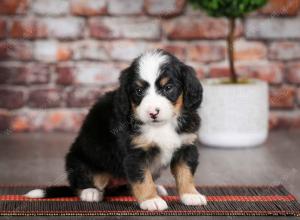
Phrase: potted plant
[235,110]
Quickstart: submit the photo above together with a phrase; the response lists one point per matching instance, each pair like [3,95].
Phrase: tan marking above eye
[164,81]
[139,83]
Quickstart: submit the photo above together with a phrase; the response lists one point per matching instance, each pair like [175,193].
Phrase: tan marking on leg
[184,179]
[144,190]
[101,180]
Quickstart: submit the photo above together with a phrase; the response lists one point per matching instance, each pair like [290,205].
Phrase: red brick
[293,72]
[269,72]
[89,7]
[250,50]
[206,52]
[200,69]
[90,50]
[51,51]
[178,49]
[67,28]
[83,96]
[4,121]
[28,28]
[2,28]
[284,120]
[24,75]
[125,7]
[45,98]
[282,97]
[48,120]
[96,73]
[298,96]
[127,50]
[20,123]
[110,88]
[32,28]
[12,49]
[195,28]
[65,75]
[285,50]
[13,6]
[281,8]
[274,28]
[11,99]
[134,28]
[164,8]
[50,7]
[192,11]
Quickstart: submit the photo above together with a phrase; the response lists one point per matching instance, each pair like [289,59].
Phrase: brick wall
[57,56]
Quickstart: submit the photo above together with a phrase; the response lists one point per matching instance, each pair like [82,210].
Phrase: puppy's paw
[91,195]
[161,190]
[156,203]
[35,194]
[193,199]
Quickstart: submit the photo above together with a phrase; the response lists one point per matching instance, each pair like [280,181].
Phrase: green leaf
[228,8]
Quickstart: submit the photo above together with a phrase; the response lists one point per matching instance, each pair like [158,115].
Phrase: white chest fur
[166,138]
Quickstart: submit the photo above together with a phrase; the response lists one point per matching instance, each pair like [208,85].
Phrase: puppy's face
[156,93]
[156,85]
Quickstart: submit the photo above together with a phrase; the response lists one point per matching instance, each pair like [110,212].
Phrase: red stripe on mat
[167,198]
[146,212]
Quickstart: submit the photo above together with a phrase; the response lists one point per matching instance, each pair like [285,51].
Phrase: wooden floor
[39,159]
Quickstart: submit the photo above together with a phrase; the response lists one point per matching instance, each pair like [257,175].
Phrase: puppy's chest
[166,139]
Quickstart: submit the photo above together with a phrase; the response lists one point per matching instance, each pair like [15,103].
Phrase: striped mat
[222,200]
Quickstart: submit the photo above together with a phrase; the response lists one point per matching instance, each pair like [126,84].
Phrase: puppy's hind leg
[83,180]
[100,181]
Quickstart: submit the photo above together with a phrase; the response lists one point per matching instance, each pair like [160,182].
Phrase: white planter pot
[234,115]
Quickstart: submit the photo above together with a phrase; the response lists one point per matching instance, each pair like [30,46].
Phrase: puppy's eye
[168,88]
[139,91]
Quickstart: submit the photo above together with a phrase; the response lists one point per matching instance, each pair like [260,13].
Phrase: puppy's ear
[122,102]
[192,89]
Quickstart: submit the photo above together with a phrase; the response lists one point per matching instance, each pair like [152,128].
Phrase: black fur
[192,88]
[59,191]
[104,141]
[136,161]
[187,154]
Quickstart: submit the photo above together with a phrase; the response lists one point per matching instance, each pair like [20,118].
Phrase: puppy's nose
[153,113]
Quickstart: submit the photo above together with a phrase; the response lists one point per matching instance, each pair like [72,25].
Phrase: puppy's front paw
[193,199]
[91,195]
[156,203]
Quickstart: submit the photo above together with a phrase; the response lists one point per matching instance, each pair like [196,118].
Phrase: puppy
[131,134]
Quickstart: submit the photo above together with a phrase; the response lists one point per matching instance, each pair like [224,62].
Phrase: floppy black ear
[192,91]
[121,101]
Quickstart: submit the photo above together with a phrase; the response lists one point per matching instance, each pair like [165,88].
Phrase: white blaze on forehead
[149,65]
[149,69]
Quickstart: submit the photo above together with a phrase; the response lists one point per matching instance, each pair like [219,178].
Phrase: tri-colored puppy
[149,123]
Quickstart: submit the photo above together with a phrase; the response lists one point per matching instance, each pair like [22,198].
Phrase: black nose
[154,115]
